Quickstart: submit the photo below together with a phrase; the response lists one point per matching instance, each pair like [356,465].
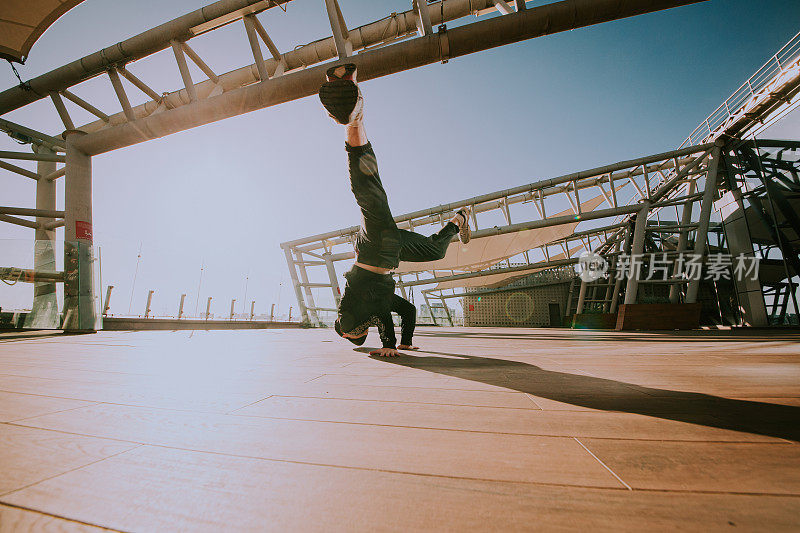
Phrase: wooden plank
[157,489]
[15,520]
[445,453]
[30,455]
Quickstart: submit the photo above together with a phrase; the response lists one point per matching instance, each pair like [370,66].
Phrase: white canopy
[482,253]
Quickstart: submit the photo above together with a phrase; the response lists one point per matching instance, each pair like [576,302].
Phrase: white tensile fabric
[482,253]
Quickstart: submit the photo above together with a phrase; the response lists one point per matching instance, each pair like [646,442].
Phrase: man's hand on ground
[385,352]
[407,347]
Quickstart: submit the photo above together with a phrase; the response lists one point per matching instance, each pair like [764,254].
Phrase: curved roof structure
[22,22]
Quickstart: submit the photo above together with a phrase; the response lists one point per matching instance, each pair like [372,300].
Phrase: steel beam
[80,102]
[149,42]
[19,221]
[463,40]
[35,136]
[186,76]
[62,111]
[119,90]
[139,84]
[25,156]
[197,60]
[252,38]
[709,191]
[637,248]
[19,170]
[28,212]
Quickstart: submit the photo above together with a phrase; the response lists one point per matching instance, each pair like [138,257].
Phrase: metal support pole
[44,312]
[338,32]
[447,309]
[180,306]
[637,248]
[233,303]
[683,238]
[502,7]
[184,69]
[709,189]
[199,62]
[252,309]
[106,305]
[62,110]
[142,86]
[78,249]
[424,16]
[312,306]
[609,292]
[149,301]
[258,57]
[208,307]
[80,102]
[272,313]
[113,75]
[337,293]
[430,309]
[296,284]
[581,298]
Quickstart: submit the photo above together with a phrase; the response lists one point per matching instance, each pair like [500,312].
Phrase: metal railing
[739,99]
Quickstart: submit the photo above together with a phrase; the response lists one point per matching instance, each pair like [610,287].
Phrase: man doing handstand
[369,298]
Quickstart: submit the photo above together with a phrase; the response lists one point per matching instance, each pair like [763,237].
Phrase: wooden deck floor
[484,429]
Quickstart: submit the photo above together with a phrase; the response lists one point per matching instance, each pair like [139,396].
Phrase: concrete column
[79,312]
[44,311]
[710,188]
[632,287]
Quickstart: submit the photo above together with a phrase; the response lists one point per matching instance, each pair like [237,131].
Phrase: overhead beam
[463,40]
[149,42]
[535,186]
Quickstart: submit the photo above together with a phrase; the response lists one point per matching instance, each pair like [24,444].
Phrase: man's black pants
[380,242]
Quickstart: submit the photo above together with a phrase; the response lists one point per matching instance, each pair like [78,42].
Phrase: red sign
[83,230]
[471,307]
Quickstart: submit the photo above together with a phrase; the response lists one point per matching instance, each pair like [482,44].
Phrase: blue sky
[227,194]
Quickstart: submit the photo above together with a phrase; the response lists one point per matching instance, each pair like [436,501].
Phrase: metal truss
[642,186]
[290,75]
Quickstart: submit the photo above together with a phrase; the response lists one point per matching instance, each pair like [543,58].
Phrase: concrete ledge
[143,324]
[594,321]
[658,316]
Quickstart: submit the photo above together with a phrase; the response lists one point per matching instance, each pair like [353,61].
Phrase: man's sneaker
[340,94]
[464,231]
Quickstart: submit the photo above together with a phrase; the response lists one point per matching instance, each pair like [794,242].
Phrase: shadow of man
[761,418]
